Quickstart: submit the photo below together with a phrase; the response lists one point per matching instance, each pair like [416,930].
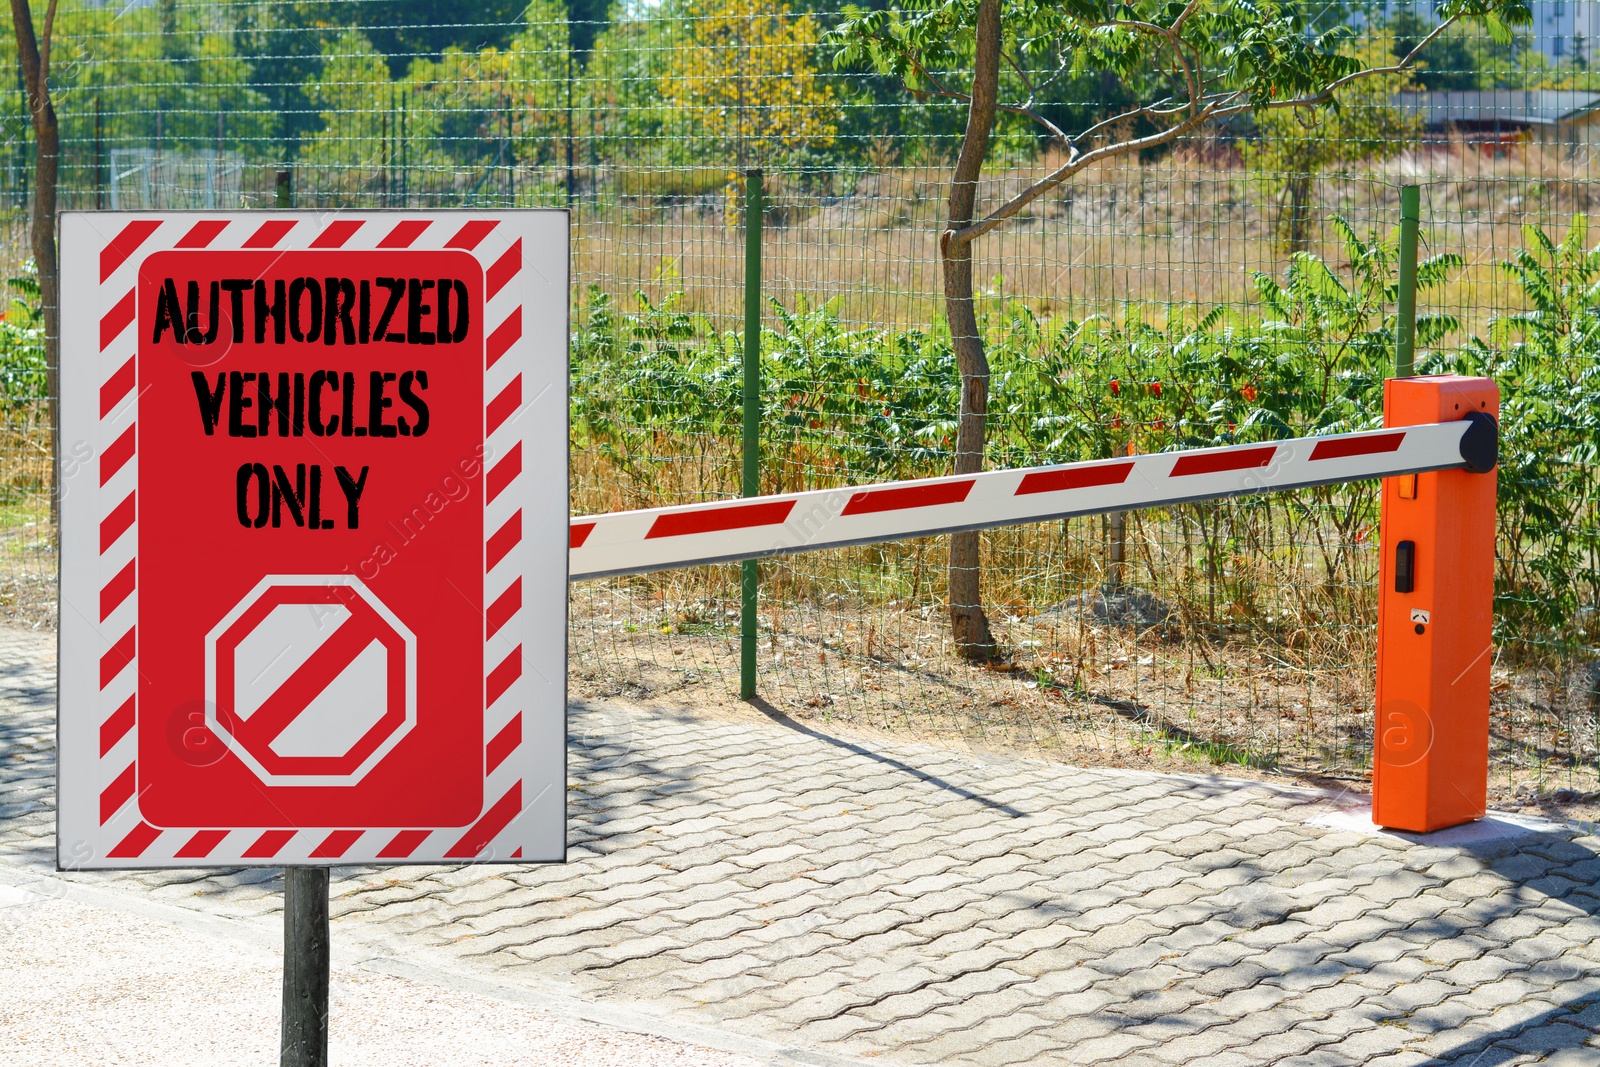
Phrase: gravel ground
[87,984]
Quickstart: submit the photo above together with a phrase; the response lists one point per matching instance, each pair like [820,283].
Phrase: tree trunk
[1296,228]
[968,623]
[42,235]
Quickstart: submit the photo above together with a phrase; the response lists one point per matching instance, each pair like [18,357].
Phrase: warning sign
[313,589]
[311,681]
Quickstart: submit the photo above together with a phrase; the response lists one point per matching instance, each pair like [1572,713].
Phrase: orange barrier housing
[1435,615]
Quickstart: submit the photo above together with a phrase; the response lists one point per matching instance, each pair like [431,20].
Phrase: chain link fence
[1233,286]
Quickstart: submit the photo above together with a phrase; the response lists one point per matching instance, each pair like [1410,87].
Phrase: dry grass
[1076,689]
[1186,229]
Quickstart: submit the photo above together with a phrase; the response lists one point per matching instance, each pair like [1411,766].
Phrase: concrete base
[1495,826]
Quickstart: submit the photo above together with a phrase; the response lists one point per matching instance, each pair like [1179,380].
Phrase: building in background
[1563,32]
[1502,117]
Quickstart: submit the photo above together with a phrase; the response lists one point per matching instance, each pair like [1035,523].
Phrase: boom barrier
[1439,442]
[654,539]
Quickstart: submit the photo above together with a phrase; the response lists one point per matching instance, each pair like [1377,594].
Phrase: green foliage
[589,19]
[620,92]
[400,30]
[169,74]
[744,81]
[1546,361]
[847,404]
[313,80]
[24,376]
[1184,65]
[881,402]
[860,402]
[1336,339]
[1247,50]
[353,76]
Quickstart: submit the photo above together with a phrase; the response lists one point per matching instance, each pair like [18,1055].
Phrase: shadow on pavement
[850,746]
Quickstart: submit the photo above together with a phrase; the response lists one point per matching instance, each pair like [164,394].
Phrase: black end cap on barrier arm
[1480,445]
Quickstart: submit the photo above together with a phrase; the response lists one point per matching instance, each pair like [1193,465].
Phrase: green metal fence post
[1406,313]
[751,482]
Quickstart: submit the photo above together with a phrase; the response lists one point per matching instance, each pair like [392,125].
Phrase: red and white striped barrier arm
[633,542]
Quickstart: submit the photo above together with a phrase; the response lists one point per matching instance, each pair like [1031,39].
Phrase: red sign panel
[309,401]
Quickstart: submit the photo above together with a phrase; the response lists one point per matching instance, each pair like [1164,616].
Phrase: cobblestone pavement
[915,905]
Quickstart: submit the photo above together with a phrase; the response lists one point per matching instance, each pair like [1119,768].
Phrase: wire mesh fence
[1233,285]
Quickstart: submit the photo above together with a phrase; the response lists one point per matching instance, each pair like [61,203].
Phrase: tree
[403,30]
[33,50]
[587,19]
[164,74]
[624,115]
[540,76]
[746,77]
[1293,146]
[494,107]
[1215,59]
[353,96]
[286,42]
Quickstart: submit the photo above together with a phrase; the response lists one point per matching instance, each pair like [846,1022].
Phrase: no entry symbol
[310,680]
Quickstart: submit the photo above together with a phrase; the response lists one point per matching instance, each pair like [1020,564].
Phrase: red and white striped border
[632,542]
[99,820]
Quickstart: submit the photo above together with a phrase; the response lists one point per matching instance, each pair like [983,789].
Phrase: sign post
[750,482]
[306,946]
[314,549]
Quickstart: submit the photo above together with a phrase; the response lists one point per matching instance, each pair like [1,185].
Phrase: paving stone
[948,1044]
[1546,1040]
[739,873]
[1224,980]
[1037,1047]
[1571,1057]
[1403,1058]
[1366,1044]
[903,1007]
[1112,1048]
[1495,995]
[1202,1047]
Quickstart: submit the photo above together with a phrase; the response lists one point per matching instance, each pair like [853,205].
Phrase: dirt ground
[1103,695]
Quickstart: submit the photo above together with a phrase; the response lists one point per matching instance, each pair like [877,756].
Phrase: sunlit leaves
[1216,56]
[744,76]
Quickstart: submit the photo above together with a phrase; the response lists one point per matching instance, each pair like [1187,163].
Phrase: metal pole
[752,421]
[1119,550]
[570,177]
[511,155]
[1117,564]
[1406,313]
[305,967]
[285,198]
[99,159]
[22,141]
[386,164]
[405,157]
